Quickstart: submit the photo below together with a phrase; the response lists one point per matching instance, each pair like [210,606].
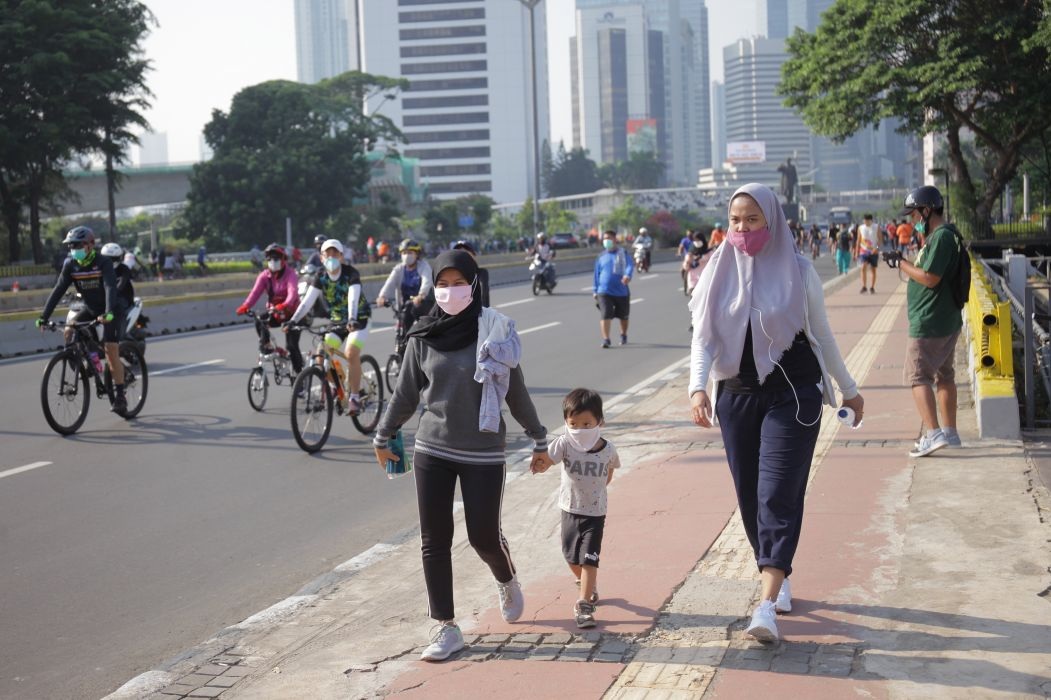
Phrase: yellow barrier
[990,323]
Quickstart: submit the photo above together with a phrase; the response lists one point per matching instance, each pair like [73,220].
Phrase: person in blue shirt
[613,271]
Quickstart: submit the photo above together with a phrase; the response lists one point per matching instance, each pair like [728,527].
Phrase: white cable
[770,354]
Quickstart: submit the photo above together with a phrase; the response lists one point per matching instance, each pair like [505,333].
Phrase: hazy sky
[203,52]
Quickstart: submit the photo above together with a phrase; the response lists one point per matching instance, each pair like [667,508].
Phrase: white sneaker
[929,443]
[446,641]
[512,602]
[763,626]
[783,604]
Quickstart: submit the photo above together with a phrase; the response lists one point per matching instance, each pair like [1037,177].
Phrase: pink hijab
[765,290]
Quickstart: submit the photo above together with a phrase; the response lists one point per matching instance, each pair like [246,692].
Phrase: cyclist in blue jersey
[409,284]
[341,287]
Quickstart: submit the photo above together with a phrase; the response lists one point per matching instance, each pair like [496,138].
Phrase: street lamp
[531,4]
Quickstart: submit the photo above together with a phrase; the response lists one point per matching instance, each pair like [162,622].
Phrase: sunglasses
[76,246]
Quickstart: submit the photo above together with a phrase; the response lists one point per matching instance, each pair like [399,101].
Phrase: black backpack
[961,284]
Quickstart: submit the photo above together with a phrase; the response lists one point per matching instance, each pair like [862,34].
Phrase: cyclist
[546,254]
[280,283]
[315,257]
[341,287]
[94,278]
[644,242]
[409,281]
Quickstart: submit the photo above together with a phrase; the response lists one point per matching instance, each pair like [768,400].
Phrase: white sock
[949,432]
[934,433]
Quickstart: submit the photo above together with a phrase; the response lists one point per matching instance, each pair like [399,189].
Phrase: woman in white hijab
[762,336]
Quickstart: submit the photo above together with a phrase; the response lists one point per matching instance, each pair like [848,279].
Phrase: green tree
[573,173]
[72,78]
[642,171]
[556,219]
[628,216]
[286,150]
[942,66]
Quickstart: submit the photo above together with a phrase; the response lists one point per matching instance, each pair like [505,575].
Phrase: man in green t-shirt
[934,321]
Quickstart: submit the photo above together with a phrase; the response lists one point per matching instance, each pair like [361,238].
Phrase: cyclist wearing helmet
[279,281]
[340,284]
[95,280]
[409,281]
[483,274]
[315,257]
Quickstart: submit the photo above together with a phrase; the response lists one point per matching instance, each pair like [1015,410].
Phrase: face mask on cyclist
[453,300]
[79,254]
[408,258]
[333,264]
[275,265]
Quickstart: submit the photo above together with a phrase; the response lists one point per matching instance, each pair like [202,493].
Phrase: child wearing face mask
[588,462]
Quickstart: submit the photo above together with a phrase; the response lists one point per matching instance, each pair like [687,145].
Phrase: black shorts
[869,259]
[614,307]
[582,538]
[113,331]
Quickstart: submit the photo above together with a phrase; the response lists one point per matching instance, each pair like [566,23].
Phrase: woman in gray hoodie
[439,369]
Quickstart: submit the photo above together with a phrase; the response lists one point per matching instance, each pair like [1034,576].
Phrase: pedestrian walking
[588,462]
[613,271]
[762,335]
[866,251]
[461,435]
[841,240]
[934,320]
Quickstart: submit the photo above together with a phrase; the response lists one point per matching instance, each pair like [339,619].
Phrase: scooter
[641,259]
[543,275]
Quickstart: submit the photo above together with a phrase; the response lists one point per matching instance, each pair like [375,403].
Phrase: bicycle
[319,391]
[65,388]
[401,339]
[258,378]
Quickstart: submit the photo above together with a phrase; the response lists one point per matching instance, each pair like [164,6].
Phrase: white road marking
[19,470]
[374,331]
[182,367]
[512,303]
[636,301]
[540,328]
[647,277]
[589,288]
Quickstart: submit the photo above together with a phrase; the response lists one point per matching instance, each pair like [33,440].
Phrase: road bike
[65,391]
[271,360]
[319,391]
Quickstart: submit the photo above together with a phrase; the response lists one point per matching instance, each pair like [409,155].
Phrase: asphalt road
[129,542]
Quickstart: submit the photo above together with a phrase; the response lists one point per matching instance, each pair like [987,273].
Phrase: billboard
[746,152]
[642,135]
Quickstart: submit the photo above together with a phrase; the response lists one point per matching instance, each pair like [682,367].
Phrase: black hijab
[440,330]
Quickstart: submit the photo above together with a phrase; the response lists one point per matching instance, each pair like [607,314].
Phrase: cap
[332,243]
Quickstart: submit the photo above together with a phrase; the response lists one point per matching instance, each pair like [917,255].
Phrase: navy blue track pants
[769,452]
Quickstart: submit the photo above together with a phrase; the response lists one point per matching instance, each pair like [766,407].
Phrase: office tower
[322,39]
[467,112]
[641,67]
[718,124]
[153,148]
[755,113]
[774,18]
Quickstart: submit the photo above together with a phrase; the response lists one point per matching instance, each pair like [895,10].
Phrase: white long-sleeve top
[818,332]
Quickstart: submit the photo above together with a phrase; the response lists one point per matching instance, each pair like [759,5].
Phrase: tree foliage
[572,172]
[286,150]
[641,171]
[947,66]
[627,217]
[72,83]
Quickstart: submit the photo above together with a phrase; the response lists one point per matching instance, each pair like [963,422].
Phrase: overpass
[140,187]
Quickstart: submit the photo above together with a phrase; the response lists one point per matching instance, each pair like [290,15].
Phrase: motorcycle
[642,261]
[543,274]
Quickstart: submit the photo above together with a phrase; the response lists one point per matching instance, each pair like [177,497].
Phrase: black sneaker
[605,343]
[623,339]
[120,405]
[864,290]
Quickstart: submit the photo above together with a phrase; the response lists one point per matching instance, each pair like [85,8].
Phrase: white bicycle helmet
[112,250]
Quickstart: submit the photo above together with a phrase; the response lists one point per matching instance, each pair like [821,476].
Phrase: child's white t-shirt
[584,474]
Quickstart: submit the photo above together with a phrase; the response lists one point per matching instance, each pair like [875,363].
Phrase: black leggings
[482,487]
[262,328]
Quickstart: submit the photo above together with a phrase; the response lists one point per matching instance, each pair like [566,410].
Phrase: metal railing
[990,321]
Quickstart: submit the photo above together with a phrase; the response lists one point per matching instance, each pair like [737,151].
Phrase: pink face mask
[749,242]
[453,300]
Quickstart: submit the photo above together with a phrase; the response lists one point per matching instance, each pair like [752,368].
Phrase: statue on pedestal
[789,180]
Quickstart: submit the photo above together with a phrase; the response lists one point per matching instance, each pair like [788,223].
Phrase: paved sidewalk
[914,578]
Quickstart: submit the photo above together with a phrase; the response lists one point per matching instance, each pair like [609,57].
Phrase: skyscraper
[322,39]
[467,112]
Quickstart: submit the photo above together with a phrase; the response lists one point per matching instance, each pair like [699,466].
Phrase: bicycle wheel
[257,387]
[393,369]
[136,378]
[311,409]
[371,395]
[64,393]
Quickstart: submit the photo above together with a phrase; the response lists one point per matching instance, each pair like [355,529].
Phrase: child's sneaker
[445,641]
[783,604]
[763,626]
[594,595]
[584,613]
[512,602]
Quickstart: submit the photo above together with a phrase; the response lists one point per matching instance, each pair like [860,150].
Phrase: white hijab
[765,290]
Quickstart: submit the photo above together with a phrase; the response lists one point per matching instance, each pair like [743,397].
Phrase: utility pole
[531,4]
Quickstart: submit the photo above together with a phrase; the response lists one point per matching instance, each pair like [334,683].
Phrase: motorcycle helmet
[926,197]
[465,245]
[541,237]
[319,239]
[112,250]
[408,245]
[78,236]
[643,231]
[275,251]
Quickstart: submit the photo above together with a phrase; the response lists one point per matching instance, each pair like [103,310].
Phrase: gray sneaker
[584,613]
[512,602]
[929,443]
[445,641]
[952,438]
